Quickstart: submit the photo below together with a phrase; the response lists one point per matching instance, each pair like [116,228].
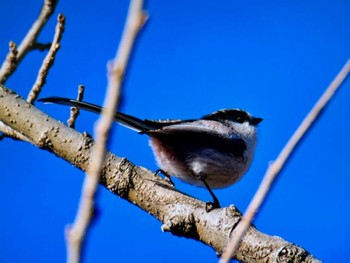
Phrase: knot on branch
[180,222]
[293,253]
[233,213]
[119,179]
[45,141]
[234,216]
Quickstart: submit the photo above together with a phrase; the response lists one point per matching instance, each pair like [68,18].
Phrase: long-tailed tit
[214,151]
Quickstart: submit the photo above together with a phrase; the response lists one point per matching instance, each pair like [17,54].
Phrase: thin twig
[276,167]
[77,233]
[48,61]
[10,62]
[29,40]
[74,111]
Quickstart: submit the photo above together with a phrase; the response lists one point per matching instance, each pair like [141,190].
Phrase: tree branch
[8,132]
[276,167]
[10,63]
[180,214]
[48,61]
[29,40]
[74,111]
[135,20]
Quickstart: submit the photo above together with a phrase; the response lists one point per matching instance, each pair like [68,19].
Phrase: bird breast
[219,169]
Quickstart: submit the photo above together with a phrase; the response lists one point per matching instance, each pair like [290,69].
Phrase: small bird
[214,151]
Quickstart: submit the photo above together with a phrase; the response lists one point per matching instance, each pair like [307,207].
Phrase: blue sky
[271,58]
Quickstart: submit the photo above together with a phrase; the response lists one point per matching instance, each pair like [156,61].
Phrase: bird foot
[210,206]
[166,177]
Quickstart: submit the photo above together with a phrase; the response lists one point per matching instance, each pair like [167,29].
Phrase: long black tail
[124,119]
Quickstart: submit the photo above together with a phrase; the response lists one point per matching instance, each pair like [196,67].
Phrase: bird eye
[239,119]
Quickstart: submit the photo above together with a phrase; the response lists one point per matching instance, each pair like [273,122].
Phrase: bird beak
[255,121]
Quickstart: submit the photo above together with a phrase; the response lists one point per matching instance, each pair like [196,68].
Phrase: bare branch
[48,61]
[276,167]
[29,41]
[8,132]
[180,214]
[15,56]
[77,233]
[74,111]
[10,63]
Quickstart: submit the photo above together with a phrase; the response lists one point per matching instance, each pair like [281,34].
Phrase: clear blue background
[272,58]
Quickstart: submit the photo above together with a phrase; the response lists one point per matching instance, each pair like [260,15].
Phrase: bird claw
[166,177]
[169,181]
[209,206]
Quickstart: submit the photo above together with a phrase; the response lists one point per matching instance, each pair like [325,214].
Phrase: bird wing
[194,136]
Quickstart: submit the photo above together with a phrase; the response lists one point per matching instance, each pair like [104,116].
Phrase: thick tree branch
[180,214]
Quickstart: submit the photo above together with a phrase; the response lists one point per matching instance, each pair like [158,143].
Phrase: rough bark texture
[180,214]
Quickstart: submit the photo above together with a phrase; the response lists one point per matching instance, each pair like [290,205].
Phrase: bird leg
[210,205]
